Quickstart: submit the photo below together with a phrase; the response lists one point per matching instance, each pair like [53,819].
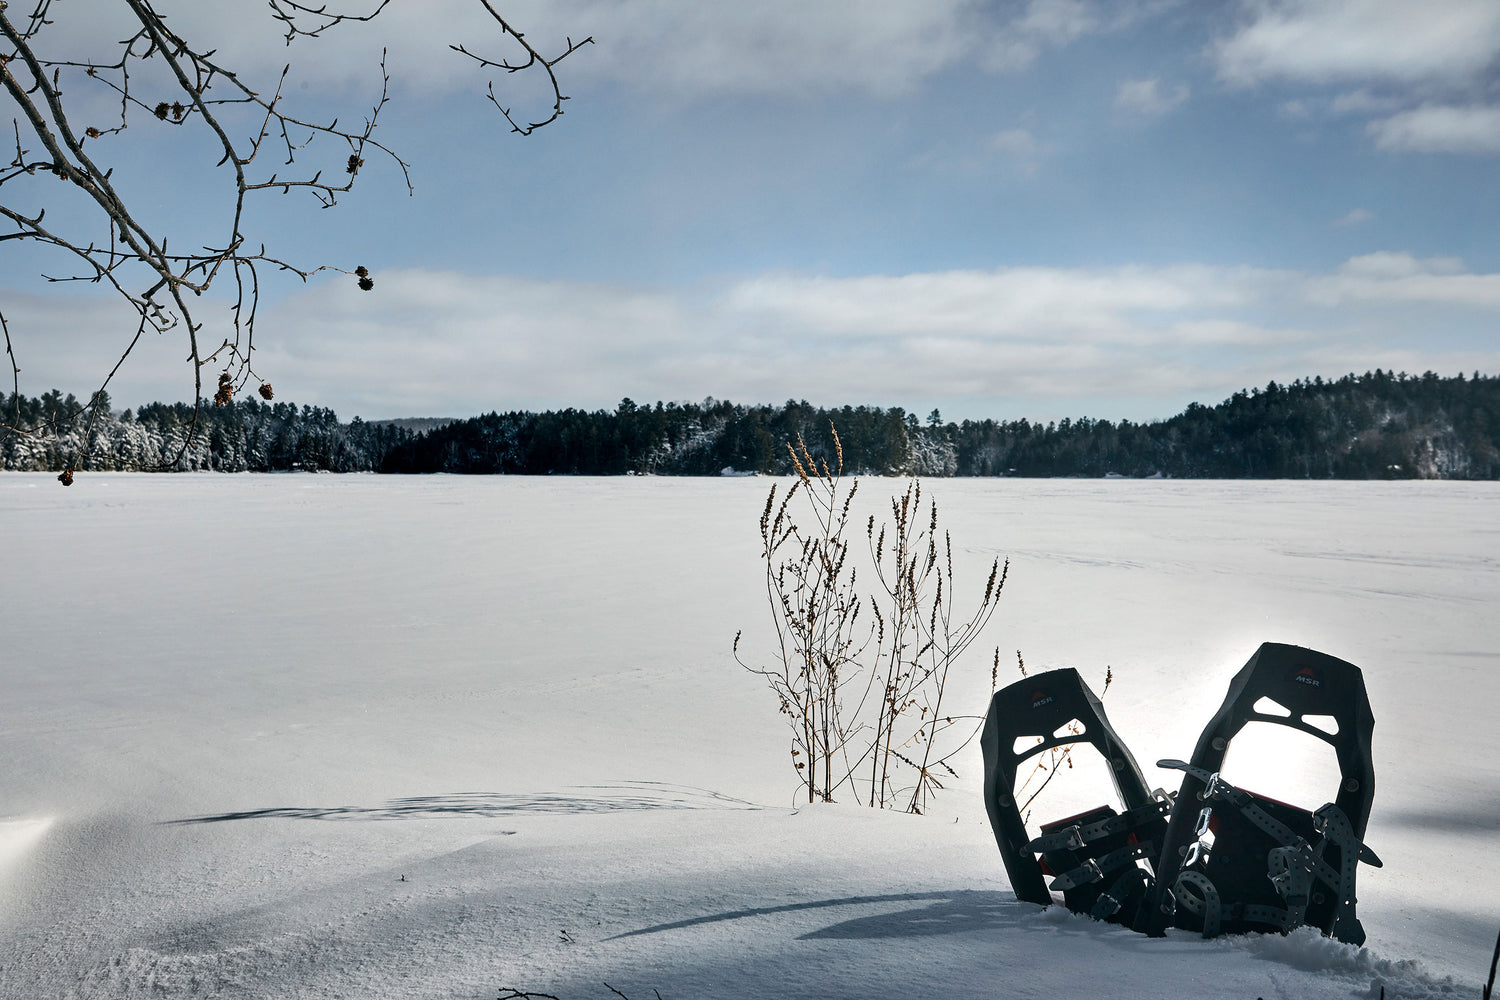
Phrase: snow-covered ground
[318,736]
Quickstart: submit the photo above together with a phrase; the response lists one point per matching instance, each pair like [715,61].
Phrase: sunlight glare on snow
[1284,764]
[17,836]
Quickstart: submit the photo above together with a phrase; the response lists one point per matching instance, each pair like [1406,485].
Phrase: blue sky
[1041,209]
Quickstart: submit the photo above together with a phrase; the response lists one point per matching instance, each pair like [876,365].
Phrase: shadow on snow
[626,797]
[947,913]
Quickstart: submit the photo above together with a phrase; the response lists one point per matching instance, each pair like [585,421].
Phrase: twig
[1489,986]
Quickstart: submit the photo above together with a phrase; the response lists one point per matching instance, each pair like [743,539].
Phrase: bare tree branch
[533,58]
[188,88]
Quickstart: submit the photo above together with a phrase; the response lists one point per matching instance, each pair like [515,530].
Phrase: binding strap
[1205,903]
[1112,899]
[1335,827]
[1073,838]
[1094,870]
[1293,882]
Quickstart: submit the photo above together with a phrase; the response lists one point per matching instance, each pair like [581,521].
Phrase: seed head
[265,390]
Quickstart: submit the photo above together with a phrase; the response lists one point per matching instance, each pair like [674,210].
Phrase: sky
[1031,209]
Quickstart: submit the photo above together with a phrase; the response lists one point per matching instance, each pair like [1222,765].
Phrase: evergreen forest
[1379,425]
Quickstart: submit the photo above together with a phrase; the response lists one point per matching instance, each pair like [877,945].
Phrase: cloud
[1148,98]
[987,340]
[1417,67]
[1436,128]
[1001,342]
[1023,149]
[1362,102]
[1332,41]
[1059,21]
[787,47]
[791,47]
[678,49]
[1387,277]
[1354,217]
[1020,303]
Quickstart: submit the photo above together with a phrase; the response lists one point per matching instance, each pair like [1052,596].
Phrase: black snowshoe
[1096,858]
[1271,866]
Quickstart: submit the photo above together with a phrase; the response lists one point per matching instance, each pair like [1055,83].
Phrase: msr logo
[1040,698]
[1306,676]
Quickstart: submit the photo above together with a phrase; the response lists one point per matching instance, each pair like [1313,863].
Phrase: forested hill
[1377,425]
[1373,426]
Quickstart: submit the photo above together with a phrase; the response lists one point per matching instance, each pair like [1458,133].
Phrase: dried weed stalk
[918,640]
[865,698]
[815,606]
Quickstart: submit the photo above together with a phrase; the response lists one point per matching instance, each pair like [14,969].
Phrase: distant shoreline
[1379,425]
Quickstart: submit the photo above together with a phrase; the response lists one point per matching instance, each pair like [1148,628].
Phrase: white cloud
[1037,332]
[682,49]
[1417,66]
[1362,102]
[1025,303]
[1387,277]
[1148,98]
[1059,21]
[1023,149]
[686,48]
[1354,217]
[1436,128]
[1331,41]
[977,342]
[1015,44]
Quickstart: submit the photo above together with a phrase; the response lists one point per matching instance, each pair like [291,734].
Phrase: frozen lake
[440,735]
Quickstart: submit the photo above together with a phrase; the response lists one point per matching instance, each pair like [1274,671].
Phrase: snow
[358,736]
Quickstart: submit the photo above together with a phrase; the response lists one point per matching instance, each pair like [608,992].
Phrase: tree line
[1379,425]
[243,436]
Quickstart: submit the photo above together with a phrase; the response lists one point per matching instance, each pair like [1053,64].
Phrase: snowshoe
[1095,858]
[1271,866]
